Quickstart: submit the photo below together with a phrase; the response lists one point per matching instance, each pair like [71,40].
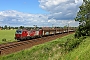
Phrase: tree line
[10,27]
[23,27]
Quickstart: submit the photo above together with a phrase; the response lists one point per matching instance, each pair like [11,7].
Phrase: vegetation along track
[17,46]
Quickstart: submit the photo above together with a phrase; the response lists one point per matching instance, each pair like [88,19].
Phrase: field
[7,36]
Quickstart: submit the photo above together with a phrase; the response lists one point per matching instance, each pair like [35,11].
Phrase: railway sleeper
[4,48]
[26,42]
[29,41]
[19,44]
[35,40]
[15,45]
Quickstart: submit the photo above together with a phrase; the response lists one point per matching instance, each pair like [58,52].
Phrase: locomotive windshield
[18,32]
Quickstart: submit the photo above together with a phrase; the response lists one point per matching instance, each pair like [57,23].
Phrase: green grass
[8,35]
[82,52]
[48,51]
[53,51]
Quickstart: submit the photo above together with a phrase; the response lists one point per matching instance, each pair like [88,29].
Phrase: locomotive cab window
[18,32]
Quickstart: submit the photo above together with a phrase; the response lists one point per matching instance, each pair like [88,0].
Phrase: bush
[70,44]
[3,39]
[77,34]
[83,30]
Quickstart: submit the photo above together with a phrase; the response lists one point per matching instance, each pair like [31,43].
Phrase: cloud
[61,9]
[15,18]
[62,12]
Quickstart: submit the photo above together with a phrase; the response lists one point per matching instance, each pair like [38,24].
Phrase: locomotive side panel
[40,32]
[24,34]
[32,33]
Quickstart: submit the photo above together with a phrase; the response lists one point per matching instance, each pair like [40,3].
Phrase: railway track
[21,45]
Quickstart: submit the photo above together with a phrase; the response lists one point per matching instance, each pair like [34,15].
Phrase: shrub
[83,30]
[72,43]
[3,39]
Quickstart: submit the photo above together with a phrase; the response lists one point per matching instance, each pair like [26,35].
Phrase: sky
[28,6]
[39,12]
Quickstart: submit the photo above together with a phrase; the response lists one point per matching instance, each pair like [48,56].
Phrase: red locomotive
[28,34]
[22,34]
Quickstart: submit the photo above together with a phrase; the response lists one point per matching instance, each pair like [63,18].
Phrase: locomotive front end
[18,34]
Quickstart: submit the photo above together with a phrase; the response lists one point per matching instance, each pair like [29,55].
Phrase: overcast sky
[39,12]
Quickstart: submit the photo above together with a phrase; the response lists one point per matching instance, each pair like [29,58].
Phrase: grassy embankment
[7,36]
[82,52]
[54,50]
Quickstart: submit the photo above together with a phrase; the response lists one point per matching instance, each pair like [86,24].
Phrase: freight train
[25,34]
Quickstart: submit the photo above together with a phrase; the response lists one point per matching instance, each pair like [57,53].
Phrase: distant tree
[65,26]
[2,27]
[12,27]
[83,16]
[5,27]
[15,27]
[9,27]
[21,27]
